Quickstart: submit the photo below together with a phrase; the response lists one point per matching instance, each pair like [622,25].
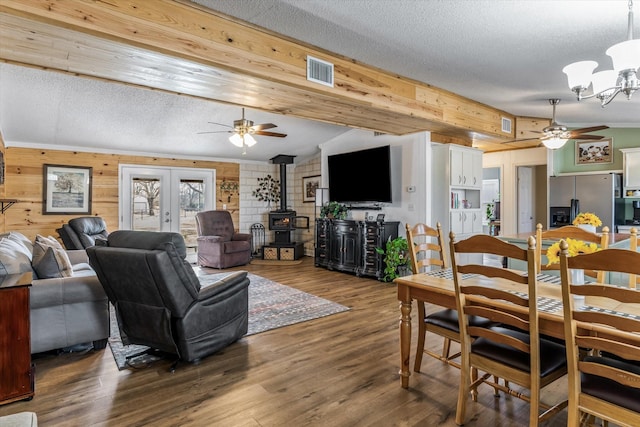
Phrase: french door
[165,199]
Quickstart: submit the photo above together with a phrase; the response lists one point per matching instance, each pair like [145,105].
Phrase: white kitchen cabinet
[631,166]
[466,221]
[465,168]
[457,187]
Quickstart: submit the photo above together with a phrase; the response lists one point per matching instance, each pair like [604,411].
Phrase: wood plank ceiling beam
[183,48]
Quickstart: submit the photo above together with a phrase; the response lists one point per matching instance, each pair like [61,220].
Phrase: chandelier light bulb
[579,74]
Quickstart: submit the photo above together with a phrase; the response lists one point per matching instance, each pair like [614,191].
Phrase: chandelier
[607,84]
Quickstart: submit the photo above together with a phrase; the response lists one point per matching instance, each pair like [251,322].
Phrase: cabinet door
[476,221]
[16,376]
[473,168]
[456,222]
[632,171]
[350,249]
[467,222]
[456,168]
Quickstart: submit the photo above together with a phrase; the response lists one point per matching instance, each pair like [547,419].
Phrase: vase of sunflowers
[576,247]
[587,221]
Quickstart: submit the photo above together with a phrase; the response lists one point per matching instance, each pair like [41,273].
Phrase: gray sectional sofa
[68,303]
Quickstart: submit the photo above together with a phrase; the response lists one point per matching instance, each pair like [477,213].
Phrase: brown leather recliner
[219,246]
[82,232]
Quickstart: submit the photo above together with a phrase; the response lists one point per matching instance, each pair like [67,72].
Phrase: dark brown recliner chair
[82,232]
[219,246]
[159,300]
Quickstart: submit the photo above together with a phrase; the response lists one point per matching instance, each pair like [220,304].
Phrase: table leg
[405,334]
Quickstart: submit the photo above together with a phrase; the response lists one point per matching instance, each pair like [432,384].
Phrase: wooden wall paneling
[24,181]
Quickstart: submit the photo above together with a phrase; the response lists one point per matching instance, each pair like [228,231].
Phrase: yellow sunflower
[587,218]
[576,247]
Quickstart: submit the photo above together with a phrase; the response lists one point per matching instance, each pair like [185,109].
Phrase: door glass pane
[145,210]
[191,202]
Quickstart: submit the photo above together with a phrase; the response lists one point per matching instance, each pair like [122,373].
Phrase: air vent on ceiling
[376,133]
[319,71]
[506,125]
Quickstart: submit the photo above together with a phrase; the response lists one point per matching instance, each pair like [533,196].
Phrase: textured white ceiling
[506,54]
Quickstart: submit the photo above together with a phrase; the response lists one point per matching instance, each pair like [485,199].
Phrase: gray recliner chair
[82,232]
[159,300]
[219,245]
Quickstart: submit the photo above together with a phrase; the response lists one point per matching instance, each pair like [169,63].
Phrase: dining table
[437,288]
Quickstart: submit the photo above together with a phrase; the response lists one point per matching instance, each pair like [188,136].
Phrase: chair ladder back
[613,340]
[420,239]
[515,325]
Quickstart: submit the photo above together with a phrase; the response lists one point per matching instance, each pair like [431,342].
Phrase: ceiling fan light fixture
[554,142]
[249,140]
[626,62]
[236,140]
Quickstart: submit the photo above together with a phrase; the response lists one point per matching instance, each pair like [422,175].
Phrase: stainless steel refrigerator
[599,193]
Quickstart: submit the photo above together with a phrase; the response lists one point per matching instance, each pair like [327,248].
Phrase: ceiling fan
[555,135]
[243,130]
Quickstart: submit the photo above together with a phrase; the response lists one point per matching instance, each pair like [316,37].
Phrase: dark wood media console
[350,246]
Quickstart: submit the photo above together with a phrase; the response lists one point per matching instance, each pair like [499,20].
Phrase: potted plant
[334,210]
[395,257]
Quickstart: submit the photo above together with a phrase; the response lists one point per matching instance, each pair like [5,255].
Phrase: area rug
[271,306]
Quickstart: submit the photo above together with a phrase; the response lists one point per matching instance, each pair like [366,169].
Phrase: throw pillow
[50,259]
[14,257]
[19,238]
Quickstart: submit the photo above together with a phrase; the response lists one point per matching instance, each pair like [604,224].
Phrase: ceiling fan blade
[587,137]
[587,130]
[263,133]
[216,131]
[519,140]
[221,124]
[263,126]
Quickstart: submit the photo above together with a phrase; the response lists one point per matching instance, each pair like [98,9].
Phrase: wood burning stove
[282,221]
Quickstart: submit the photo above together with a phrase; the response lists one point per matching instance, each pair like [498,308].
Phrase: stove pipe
[283,160]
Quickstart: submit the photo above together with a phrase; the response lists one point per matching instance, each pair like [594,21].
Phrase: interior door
[165,199]
[525,200]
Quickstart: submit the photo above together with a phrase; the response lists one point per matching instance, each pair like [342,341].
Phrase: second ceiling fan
[243,130]
[555,135]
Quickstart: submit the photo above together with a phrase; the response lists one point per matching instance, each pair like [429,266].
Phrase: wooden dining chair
[606,382]
[513,350]
[571,232]
[426,251]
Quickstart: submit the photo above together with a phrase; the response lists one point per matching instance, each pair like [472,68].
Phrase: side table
[16,370]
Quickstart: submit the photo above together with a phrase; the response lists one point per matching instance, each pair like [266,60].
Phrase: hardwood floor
[341,370]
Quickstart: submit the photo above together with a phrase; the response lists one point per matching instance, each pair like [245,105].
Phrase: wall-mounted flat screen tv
[360,176]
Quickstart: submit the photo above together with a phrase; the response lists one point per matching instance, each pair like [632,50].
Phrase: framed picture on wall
[594,152]
[309,186]
[67,190]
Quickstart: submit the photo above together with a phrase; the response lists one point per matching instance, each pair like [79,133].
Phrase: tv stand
[350,246]
[365,208]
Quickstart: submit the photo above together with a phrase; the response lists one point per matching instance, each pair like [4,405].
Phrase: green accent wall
[564,158]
